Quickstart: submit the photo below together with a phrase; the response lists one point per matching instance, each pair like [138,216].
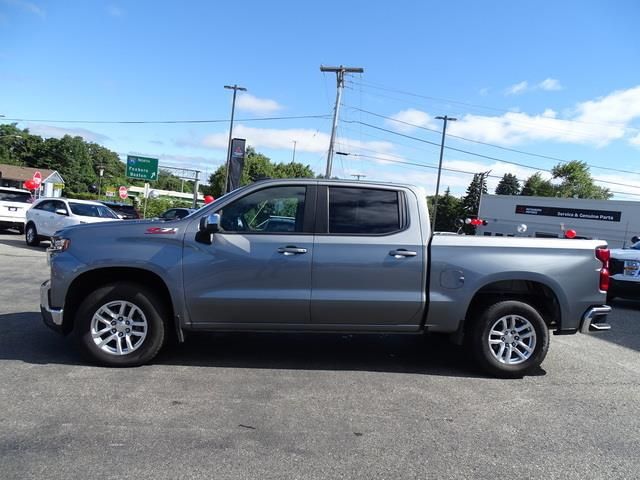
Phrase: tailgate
[14,210]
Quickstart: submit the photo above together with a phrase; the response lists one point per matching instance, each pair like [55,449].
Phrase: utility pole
[339,71]
[235,89]
[358,175]
[435,200]
[483,176]
[294,152]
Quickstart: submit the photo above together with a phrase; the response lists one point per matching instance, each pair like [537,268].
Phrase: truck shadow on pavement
[23,337]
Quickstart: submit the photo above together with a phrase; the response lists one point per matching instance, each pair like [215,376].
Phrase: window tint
[11,196]
[169,214]
[89,210]
[47,206]
[363,211]
[273,210]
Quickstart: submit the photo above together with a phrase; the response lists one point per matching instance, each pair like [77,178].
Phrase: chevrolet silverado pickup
[314,255]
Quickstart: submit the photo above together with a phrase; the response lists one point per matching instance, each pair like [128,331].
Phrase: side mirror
[210,224]
[61,211]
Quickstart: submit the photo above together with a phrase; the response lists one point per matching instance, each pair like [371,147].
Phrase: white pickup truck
[311,255]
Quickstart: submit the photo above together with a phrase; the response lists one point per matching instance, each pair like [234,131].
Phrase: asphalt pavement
[249,406]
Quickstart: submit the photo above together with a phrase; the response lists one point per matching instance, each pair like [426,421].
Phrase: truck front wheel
[509,339]
[121,325]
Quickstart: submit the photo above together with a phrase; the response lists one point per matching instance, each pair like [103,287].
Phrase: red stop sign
[37,178]
[123,192]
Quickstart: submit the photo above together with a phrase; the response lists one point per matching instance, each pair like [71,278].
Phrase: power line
[580,134]
[129,122]
[484,143]
[454,170]
[474,105]
[488,157]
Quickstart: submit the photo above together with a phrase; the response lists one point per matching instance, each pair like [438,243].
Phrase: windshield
[10,196]
[89,210]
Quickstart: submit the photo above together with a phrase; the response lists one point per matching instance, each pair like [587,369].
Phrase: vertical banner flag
[236,163]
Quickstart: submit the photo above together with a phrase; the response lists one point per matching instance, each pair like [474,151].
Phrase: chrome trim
[592,314]
[56,313]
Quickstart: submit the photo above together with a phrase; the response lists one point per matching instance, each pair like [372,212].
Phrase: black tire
[486,357]
[31,235]
[151,306]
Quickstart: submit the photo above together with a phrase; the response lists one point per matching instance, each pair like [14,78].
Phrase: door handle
[291,250]
[401,252]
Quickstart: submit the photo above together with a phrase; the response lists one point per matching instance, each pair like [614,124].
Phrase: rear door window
[363,211]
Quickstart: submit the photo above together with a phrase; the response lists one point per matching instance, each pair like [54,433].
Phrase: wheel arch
[88,281]
[539,294]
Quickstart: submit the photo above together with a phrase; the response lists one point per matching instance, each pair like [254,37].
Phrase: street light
[100,175]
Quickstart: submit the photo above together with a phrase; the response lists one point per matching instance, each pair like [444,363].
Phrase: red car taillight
[604,254]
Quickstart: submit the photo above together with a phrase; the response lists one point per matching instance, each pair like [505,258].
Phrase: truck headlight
[59,244]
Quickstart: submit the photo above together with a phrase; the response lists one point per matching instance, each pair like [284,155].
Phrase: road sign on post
[142,168]
[37,178]
[123,192]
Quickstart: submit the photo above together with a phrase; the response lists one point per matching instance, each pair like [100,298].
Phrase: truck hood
[625,254]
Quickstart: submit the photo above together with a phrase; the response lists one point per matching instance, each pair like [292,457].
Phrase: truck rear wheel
[509,339]
[121,325]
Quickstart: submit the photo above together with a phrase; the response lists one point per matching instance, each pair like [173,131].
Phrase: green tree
[536,186]
[576,182]
[256,167]
[471,201]
[508,185]
[449,212]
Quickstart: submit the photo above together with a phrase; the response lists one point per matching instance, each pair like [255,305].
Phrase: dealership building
[615,221]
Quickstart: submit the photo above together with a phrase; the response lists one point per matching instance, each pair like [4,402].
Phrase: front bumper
[52,317]
[594,318]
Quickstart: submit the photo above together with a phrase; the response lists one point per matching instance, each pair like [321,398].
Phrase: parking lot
[301,406]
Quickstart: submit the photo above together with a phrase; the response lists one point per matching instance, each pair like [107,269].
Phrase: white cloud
[549,84]
[307,140]
[249,103]
[115,11]
[28,6]
[50,131]
[412,116]
[595,122]
[518,88]
[635,140]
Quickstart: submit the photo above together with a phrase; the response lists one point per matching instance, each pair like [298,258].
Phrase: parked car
[14,203]
[175,213]
[48,215]
[360,259]
[625,273]
[123,210]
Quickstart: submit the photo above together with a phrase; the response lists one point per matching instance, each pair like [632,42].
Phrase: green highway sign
[142,168]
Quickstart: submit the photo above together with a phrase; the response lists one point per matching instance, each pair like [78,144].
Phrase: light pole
[100,175]
[294,152]
[435,200]
[235,89]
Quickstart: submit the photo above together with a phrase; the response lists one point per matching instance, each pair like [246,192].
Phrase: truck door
[368,258]
[257,269]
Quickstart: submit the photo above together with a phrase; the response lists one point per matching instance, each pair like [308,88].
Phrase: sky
[531,83]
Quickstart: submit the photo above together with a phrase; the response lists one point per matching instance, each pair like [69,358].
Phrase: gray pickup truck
[320,256]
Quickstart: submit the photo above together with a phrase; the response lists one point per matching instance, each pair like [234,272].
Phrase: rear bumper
[594,319]
[52,317]
[624,288]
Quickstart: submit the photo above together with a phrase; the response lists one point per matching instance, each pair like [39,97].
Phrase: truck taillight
[604,254]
